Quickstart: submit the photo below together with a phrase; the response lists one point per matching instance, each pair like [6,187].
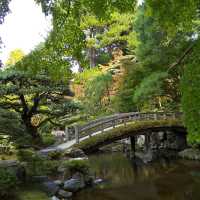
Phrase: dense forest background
[131,57]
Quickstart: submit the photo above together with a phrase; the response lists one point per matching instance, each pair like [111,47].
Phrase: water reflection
[126,180]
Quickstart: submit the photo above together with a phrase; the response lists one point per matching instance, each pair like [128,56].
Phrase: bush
[55,155]
[49,167]
[37,165]
[48,140]
[25,155]
[74,166]
[8,183]
[23,141]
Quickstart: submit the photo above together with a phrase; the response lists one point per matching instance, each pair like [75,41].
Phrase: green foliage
[95,90]
[26,155]
[36,164]
[179,16]
[48,139]
[45,59]
[150,88]
[77,24]
[55,155]
[34,97]
[87,75]
[191,100]
[103,58]
[156,51]
[8,183]
[10,124]
[74,166]
[123,101]
[6,146]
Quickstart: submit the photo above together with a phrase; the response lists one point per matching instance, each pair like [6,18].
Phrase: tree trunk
[31,130]
[92,57]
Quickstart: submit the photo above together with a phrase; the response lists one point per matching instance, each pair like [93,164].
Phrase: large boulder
[75,153]
[74,184]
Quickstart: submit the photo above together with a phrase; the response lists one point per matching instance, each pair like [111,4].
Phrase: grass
[123,131]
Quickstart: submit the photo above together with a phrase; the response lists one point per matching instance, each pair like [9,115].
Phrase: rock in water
[50,188]
[73,185]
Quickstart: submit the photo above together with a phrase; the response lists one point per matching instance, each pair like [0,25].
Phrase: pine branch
[179,61]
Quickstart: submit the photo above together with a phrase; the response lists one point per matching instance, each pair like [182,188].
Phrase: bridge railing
[101,125]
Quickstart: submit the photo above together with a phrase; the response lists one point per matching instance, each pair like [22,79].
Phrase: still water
[163,180]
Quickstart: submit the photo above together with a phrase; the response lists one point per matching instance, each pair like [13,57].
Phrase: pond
[161,180]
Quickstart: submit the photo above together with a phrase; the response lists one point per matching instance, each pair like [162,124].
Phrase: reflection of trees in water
[166,180]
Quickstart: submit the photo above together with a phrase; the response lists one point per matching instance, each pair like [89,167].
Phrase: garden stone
[75,153]
[191,154]
[74,184]
[54,198]
[98,181]
[79,158]
[50,187]
[58,182]
[64,194]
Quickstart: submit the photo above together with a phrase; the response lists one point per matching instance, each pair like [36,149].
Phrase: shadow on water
[133,180]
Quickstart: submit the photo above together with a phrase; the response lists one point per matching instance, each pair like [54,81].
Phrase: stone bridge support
[147,142]
[133,148]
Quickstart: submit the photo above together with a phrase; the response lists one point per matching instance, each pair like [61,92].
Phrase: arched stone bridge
[106,130]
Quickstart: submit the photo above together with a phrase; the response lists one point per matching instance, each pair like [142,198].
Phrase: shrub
[8,183]
[23,141]
[74,166]
[37,165]
[49,167]
[55,155]
[48,139]
[25,155]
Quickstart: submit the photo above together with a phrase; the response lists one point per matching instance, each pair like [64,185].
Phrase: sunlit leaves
[14,57]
